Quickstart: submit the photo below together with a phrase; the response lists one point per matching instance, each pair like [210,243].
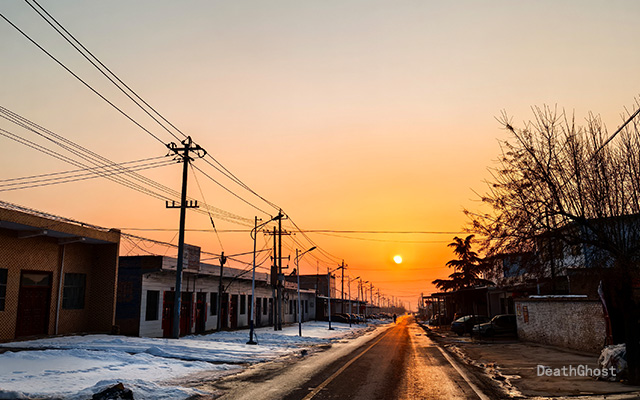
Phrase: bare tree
[557,180]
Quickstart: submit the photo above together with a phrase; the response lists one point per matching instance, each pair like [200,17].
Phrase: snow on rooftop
[78,366]
[559,296]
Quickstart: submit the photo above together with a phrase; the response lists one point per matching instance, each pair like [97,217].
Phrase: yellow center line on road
[338,372]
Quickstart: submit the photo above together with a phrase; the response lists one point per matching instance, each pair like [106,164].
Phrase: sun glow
[397,259]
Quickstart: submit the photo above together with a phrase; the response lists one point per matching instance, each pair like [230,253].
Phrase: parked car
[504,324]
[465,324]
[344,318]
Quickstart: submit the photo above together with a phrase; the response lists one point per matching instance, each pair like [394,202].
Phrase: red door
[167,315]
[233,311]
[201,312]
[224,318]
[33,303]
[185,313]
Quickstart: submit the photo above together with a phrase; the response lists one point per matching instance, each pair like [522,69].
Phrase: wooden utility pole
[182,153]
[342,304]
[277,279]
[223,260]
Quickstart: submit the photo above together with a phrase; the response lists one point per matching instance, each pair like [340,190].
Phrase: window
[306,306]
[153,303]
[249,304]
[213,299]
[74,287]
[290,306]
[264,306]
[3,287]
[243,304]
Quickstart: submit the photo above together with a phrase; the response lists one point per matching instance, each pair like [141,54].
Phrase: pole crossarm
[182,154]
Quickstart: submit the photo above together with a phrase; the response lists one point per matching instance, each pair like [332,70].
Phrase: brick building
[57,276]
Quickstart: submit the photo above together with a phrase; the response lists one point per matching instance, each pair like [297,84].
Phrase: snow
[75,367]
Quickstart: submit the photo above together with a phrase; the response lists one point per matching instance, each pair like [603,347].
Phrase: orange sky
[352,115]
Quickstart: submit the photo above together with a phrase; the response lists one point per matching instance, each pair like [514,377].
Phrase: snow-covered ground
[75,367]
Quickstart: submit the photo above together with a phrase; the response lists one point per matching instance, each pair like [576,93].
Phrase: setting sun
[397,259]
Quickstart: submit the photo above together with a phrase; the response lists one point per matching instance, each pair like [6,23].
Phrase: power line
[73,176]
[617,131]
[68,36]
[107,73]
[224,170]
[310,231]
[100,161]
[80,79]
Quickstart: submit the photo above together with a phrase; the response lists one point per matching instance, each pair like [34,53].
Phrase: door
[224,311]
[257,312]
[167,315]
[201,312]
[233,311]
[185,313]
[34,302]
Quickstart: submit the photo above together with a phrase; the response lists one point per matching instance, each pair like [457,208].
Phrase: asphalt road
[400,363]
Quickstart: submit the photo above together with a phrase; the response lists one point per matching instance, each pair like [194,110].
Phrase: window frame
[155,312]
[74,293]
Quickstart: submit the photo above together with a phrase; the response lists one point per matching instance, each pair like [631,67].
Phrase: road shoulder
[513,366]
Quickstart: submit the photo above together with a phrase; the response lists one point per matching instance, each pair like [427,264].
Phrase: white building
[146,292]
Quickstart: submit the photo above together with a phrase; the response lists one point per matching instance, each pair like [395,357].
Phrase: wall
[43,253]
[567,322]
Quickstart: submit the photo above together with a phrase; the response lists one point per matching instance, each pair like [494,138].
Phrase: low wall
[572,323]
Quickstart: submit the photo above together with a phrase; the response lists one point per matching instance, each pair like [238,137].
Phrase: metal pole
[253,284]
[358,299]
[276,302]
[349,285]
[280,283]
[329,296]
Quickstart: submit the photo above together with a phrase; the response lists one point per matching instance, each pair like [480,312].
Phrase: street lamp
[363,299]
[298,257]
[253,277]
[329,292]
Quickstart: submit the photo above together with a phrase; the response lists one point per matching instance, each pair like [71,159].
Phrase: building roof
[32,223]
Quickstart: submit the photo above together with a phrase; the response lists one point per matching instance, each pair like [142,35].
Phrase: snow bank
[75,367]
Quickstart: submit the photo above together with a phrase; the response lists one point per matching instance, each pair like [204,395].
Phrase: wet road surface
[400,363]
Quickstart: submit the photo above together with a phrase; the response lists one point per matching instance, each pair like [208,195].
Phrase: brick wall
[571,323]
[43,252]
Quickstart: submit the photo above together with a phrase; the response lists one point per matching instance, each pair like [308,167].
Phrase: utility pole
[371,296]
[274,281]
[182,154]
[223,260]
[342,304]
[276,271]
[329,297]
[280,276]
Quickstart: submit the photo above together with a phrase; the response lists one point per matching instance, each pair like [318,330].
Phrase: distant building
[57,276]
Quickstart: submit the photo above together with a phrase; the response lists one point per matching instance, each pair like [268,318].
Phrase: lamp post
[329,291]
[253,276]
[363,299]
[297,260]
